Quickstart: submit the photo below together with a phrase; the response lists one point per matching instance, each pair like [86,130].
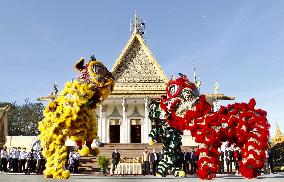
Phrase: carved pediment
[115,113]
[135,113]
[136,64]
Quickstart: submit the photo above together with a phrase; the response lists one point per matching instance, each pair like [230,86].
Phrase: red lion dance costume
[240,124]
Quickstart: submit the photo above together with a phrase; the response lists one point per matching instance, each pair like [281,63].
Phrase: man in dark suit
[185,161]
[115,159]
[229,159]
[194,158]
[221,166]
[270,160]
[154,158]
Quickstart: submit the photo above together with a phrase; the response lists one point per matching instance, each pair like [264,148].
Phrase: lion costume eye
[96,69]
[173,89]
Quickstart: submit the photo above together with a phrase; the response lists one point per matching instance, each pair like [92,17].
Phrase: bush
[103,161]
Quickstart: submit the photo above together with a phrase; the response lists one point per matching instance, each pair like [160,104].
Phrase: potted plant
[103,162]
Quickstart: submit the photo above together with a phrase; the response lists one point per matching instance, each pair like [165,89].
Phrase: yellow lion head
[94,72]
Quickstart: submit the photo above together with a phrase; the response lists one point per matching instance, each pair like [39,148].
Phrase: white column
[100,122]
[123,132]
[104,128]
[128,131]
[147,126]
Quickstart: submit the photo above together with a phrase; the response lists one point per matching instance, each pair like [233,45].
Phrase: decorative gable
[136,66]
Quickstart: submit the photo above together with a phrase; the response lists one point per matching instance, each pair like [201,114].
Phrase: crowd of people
[19,160]
[150,160]
[231,158]
[229,161]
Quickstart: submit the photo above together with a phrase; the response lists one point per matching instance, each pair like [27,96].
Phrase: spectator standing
[30,162]
[23,160]
[145,162]
[237,159]
[76,157]
[15,154]
[71,162]
[270,161]
[115,159]
[266,165]
[194,158]
[40,162]
[221,166]
[154,161]
[185,161]
[34,162]
[228,160]
[4,159]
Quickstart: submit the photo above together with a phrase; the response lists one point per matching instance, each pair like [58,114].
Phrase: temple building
[123,116]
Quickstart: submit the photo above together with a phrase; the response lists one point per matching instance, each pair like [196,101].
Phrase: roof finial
[194,74]
[137,26]
[278,131]
[216,87]
[135,22]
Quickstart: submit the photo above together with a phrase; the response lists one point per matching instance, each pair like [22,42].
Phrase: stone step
[89,163]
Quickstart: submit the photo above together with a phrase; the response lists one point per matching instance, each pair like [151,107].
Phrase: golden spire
[278,132]
[135,23]
[137,26]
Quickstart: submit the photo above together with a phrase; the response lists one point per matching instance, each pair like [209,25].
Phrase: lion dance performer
[240,124]
[171,139]
[72,115]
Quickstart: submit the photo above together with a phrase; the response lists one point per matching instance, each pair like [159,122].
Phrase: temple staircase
[89,163]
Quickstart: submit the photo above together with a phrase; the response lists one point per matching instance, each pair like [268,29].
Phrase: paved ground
[279,177]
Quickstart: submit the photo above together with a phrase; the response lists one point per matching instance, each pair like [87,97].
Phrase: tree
[278,154]
[23,119]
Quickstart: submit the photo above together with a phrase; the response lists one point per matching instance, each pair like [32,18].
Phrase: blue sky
[239,43]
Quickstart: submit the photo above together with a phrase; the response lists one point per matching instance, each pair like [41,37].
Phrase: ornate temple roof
[279,137]
[136,71]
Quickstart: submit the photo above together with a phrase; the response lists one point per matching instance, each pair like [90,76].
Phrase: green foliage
[23,119]
[278,154]
[103,161]
[279,168]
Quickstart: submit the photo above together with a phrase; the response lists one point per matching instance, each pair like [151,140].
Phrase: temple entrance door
[135,130]
[114,131]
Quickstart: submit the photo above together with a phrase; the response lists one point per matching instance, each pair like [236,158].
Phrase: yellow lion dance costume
[72,114]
